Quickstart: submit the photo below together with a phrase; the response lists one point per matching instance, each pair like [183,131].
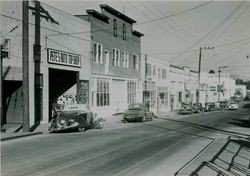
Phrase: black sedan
[137,112]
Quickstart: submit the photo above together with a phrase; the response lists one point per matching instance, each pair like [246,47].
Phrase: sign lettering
[64,58]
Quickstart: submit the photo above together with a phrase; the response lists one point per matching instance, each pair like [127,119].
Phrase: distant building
[183,86]
[155,73]
[218,88]
[115,60]
[240,91]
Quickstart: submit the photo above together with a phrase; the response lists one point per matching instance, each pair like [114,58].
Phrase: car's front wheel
[81,129]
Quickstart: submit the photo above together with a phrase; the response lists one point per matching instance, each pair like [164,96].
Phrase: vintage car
[233,106]
[75,117]
[209,107]
[186,109]
[137,112]
[197,108]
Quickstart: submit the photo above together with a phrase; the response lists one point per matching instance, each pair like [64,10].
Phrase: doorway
[62,83]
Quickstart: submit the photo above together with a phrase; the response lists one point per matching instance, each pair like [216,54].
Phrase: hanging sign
[64,58]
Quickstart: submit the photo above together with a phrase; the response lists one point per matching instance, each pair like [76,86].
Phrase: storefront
[163,105]
[58,66]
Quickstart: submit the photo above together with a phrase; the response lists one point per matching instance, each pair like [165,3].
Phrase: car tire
[99,124]
[143,119]
[81,129]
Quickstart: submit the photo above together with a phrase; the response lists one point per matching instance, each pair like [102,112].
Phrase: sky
[176,30]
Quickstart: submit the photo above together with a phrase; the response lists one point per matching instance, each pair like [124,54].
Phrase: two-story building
[155,74]
[115,60]
[183,86]
[58,64]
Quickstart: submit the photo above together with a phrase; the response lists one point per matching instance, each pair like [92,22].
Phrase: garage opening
[62,87]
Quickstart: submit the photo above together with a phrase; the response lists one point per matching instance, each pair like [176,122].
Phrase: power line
[172,27]
[178,13]
[146,15]
[46,28]
[204,36]
[178,27]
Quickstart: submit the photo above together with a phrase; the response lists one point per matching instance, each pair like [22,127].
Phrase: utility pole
[199,78]
[25,67]
[199,73]
[145,91]
[219,86]
[37,58]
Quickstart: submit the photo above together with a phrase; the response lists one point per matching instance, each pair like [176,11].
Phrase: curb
[20,136]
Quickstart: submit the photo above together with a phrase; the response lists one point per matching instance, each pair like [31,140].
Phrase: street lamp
[199,70]
[219,87]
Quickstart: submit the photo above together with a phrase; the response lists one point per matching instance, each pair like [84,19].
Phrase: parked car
[197,108]
[224,104]
[137,112]
[217,106]
[233,106]
[75,117]
[209,107]
[186,109]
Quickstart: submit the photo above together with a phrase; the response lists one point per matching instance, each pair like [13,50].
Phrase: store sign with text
[64,58]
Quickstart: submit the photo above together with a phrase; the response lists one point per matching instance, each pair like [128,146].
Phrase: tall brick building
[115,60]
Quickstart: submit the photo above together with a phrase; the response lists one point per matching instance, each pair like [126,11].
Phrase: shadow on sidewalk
[240,122]
[233,159]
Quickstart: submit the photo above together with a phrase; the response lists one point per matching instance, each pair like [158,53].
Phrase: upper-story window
[116,57]
[125,60]
[159,73]
[154,70]
[115,27]
[148,70]
[164,73]
[124,31]
[135,62]
[98,53]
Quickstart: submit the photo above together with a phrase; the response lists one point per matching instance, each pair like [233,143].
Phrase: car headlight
[71,120]
[62,122]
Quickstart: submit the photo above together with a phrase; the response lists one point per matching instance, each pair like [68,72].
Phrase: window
[98,53]
[135,62]
[131,92]
[125,61]
[124,31]
[115,27]
[102,92]
[116,57]
[106,56]
[180,96]
[159,73]
[154,70]
[164,73]
[148,70]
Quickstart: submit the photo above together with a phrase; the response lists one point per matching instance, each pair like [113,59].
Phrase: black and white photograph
[125,88]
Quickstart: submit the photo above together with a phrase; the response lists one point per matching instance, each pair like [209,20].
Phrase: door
[119,96]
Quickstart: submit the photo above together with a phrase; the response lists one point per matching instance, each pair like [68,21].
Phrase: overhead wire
[174,31]
[175,14]
[204,36]
[177,26]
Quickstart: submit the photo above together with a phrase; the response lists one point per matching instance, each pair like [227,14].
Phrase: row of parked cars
[186,108]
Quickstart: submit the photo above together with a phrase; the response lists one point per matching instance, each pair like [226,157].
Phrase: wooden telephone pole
[25,67]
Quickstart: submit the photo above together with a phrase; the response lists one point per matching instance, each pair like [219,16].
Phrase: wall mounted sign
[64,58]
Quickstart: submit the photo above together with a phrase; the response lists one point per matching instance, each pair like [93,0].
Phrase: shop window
[97,52]
[131,87]
[102,93]
[115,28]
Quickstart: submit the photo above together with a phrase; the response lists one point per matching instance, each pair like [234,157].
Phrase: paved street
[160,147]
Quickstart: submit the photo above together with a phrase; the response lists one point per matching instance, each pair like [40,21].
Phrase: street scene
[127,88]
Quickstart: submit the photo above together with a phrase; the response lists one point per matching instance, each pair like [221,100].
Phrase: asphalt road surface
[154,148]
